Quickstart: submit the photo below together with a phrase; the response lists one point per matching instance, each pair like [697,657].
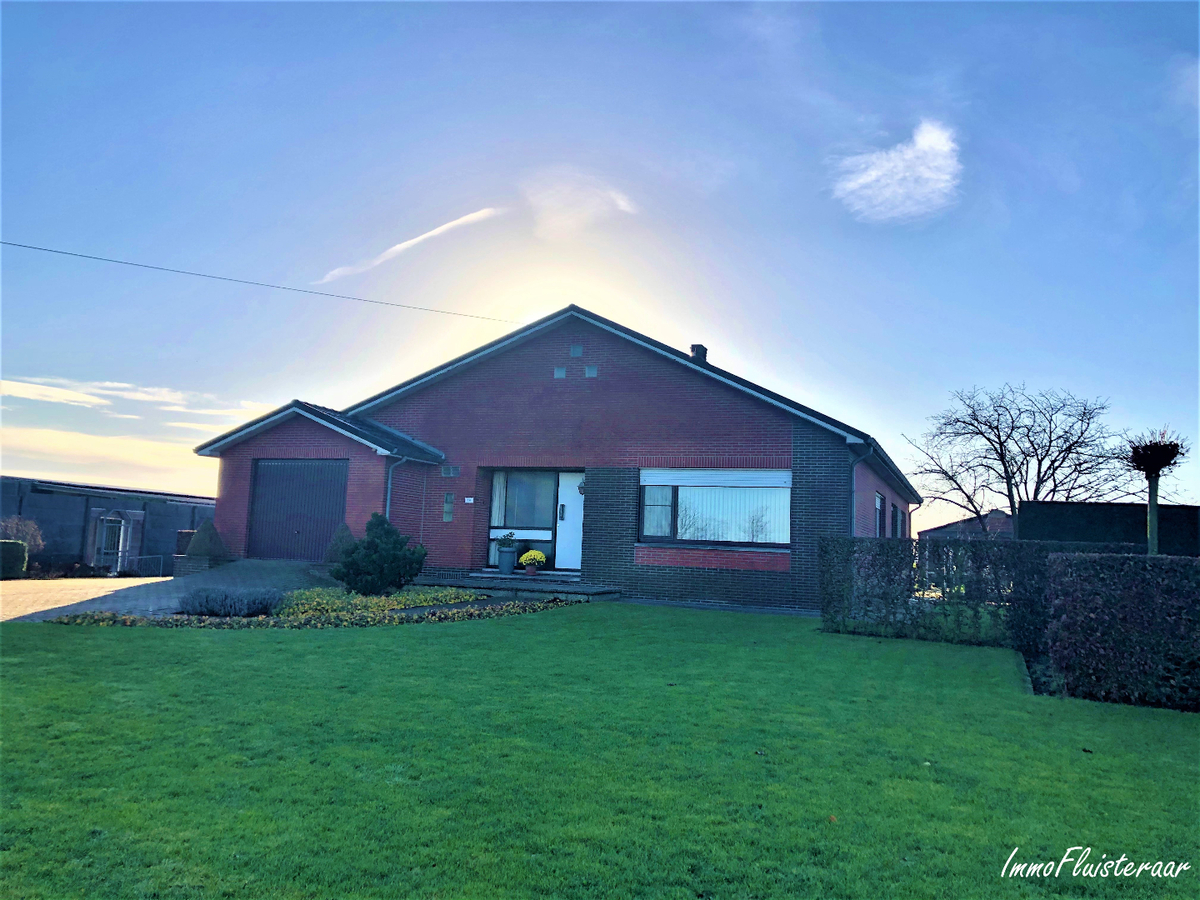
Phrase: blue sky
[862,206]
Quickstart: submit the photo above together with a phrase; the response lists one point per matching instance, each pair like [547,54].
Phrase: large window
[721,506]
[523,502]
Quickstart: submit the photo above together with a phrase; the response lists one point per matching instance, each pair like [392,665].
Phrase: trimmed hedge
[1126,629]
[206,542]
[14,557]
[340,544]
[990,593]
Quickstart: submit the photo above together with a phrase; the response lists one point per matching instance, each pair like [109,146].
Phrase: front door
[568,535]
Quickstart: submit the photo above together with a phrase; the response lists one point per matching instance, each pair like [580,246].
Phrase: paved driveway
[35,600]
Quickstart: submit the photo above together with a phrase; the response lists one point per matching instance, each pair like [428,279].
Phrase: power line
[278,287]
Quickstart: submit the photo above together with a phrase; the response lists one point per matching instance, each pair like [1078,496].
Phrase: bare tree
[998,448]
[1150,455]
[756,525]
[692,525]
[16,528]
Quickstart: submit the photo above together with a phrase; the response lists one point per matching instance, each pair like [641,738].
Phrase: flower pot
[507,559]
[531,569]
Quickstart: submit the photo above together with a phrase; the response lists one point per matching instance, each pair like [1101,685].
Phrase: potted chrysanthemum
[533,560]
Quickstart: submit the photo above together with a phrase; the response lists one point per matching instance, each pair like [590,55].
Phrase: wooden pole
[1152,517]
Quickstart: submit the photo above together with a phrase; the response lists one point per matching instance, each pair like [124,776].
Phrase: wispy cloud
[98,394]
[906,181]
[565,201]
[246,408]
[119,389]
[106,459]
[393,252]
[48,394]
[199,426]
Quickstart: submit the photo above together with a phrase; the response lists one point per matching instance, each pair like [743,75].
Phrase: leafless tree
[1151,455]
[16,528]
[691,524]
[995,449]
[757,525]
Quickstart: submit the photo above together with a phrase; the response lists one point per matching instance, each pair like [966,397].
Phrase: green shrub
[14,556]
[341,544]
[1126,629]
[381,562]
[236,602]
[206,542]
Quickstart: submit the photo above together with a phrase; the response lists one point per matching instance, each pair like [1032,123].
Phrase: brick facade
[641,410]
[868,483]
[295,438]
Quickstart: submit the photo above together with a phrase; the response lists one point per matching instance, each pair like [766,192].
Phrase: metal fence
[124,563]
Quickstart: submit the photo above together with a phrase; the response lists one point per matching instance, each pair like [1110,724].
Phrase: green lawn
[601,750]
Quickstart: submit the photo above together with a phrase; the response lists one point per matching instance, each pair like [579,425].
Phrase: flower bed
[361,618]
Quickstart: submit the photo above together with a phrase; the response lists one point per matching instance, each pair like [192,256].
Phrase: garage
[295,507]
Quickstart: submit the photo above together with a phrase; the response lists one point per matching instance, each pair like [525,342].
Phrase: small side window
[591,371]
[448,507]
[560,371]
[576,350]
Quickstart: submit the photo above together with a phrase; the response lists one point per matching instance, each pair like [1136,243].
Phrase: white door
[568,540]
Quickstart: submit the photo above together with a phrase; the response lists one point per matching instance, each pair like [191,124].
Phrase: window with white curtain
[721,506]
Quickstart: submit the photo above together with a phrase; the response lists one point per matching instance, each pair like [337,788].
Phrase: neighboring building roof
[852,435]
[42,486]
[999,526]
[383,440]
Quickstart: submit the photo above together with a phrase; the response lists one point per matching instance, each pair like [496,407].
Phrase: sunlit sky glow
[861,206]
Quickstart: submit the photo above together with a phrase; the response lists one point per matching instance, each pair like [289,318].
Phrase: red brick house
[635,464]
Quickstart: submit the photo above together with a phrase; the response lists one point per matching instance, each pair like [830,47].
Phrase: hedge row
[968,592]
[14,556]
[1126,629]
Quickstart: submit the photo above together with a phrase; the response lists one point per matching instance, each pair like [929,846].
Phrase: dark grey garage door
[295,506]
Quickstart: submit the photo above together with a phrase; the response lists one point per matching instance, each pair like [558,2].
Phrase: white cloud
[118,389]
[1185,81]
[912,179]
[106,459]
[199,426]
[28,391]
[395,251]
[245,408]
[565,201]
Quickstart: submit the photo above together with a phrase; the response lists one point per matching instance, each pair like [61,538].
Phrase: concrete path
[37,600]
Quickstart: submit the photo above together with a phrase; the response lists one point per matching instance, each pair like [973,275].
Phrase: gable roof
[383,440]
[852,435]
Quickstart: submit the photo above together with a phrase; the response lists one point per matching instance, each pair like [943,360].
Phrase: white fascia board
[238,437]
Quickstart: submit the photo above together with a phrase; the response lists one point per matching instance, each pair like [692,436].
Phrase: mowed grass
[602,750]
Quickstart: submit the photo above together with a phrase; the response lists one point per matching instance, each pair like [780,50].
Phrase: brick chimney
[699,353]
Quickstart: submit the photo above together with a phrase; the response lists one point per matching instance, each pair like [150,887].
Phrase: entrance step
[526,587]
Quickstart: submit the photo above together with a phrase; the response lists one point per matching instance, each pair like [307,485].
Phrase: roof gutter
[387,507]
